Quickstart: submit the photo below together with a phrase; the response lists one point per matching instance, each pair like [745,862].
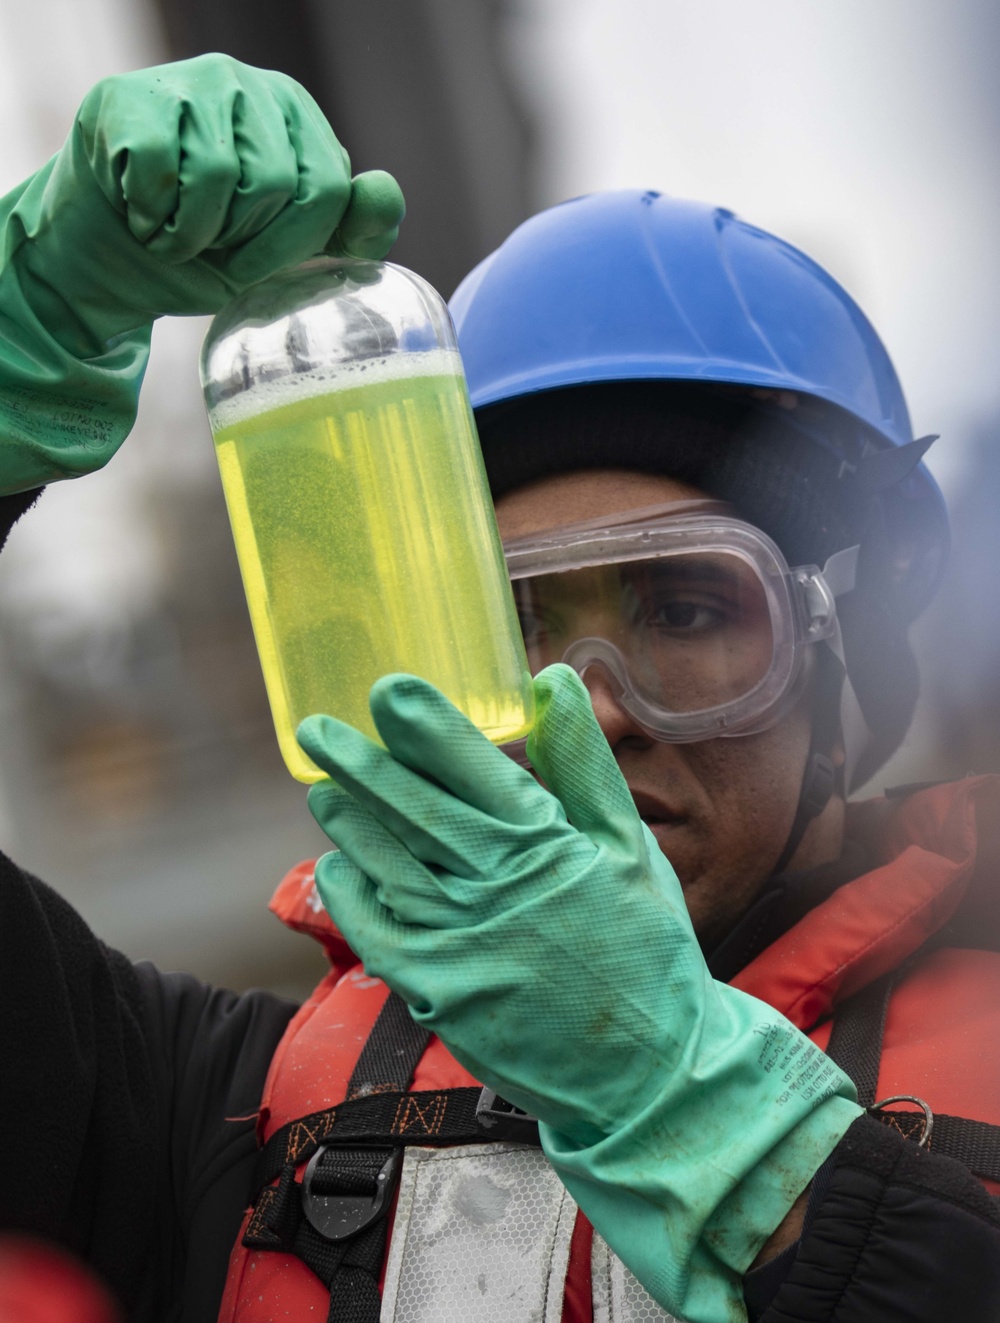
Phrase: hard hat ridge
[629,285]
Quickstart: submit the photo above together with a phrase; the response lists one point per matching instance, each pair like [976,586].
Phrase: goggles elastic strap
[840,573]
[834,694]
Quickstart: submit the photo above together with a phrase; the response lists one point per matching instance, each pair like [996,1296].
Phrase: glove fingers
[209,173]
[127,130]
[432,825]
[210,153]
[269,170]
[405,886]
[304,225]
[148,187]
[426,732]
[389,950]
[350,899]
[370,225]
[568,749]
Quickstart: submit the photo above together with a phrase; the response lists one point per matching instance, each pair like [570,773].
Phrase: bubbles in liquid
[364,531]
[266,396]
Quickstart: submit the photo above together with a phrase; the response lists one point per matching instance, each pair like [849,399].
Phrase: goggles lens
[693,615]
[695,628]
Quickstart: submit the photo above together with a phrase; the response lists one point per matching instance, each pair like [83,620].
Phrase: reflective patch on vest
[619,1297]
[481,1235]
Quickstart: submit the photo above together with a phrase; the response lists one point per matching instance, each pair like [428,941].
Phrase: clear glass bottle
[358,499]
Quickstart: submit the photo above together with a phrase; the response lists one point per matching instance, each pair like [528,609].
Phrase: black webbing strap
[334,1219]
[430,1118]
[345,1193]
[820,777]
[391,1052]
[349,1268]
[976,1144]
[856,1046]
[856,1038]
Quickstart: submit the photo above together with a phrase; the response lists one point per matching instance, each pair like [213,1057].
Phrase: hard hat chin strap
[821,777]
[836,715]
[840,573]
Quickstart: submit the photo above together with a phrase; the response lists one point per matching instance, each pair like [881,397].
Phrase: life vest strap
[976,1144]
[856,1038]
[391,1051]
[856,1046]
[334,1219]
[430,1118]
[348,1267]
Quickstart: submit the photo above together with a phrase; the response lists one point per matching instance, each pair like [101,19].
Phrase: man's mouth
[656,813]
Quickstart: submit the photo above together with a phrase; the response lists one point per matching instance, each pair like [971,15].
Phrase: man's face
[720,809]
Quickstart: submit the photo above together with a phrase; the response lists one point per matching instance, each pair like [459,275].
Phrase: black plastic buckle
[340,1216]
[504,1121]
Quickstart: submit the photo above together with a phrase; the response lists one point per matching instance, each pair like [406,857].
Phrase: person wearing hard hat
[662,1028]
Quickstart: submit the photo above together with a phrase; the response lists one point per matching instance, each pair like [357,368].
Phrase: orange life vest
[940,852]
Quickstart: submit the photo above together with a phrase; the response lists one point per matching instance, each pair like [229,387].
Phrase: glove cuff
[687,1229]
[61,415]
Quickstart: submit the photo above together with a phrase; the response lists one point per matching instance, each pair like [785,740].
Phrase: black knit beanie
[747,448]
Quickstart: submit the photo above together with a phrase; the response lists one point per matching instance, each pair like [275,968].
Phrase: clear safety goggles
[693,616]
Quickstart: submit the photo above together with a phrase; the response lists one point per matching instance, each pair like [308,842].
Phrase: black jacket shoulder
[132,1096]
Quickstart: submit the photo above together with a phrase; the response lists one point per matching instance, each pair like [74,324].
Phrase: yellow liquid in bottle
[366,540]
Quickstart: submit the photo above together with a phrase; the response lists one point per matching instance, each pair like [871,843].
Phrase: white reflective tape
[481,1235]
[618,1296]
[600,1279]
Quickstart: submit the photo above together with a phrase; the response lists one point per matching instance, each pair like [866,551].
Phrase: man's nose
[618,726]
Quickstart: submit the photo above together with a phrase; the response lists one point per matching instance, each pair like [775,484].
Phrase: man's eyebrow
[719,568]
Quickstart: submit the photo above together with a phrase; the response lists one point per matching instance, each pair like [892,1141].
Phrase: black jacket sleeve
[213,1052]
[128,1101]
[893,1234]
[128,1106]
[77,1110]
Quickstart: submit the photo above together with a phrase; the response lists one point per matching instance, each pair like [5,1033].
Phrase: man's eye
[533,629]
[685,616]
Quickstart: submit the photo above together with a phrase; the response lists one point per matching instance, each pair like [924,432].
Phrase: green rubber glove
[544,938]
[177,187]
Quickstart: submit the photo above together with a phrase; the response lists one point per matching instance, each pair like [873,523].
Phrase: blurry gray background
[140,773]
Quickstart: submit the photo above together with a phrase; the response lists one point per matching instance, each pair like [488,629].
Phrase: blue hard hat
[631,286]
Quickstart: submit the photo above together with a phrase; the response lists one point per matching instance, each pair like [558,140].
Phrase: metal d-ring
[925,1137]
